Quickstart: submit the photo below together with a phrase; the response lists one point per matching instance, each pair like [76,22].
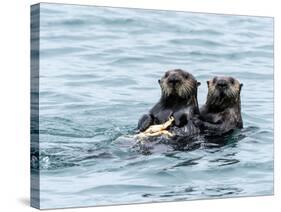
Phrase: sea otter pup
[178,99]
[222,111]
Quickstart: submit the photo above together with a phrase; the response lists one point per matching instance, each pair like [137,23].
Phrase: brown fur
[222,111]
[178,99]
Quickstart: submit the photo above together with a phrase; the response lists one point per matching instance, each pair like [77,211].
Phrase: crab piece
[162,132]
[159,129]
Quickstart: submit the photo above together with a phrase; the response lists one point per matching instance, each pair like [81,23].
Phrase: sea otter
[222,110]
[178,100]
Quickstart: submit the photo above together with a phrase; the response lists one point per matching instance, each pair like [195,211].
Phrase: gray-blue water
[98,74]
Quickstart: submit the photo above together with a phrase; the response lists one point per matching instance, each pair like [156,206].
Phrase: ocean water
[99,68]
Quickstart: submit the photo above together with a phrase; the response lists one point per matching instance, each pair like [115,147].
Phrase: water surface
[98,74]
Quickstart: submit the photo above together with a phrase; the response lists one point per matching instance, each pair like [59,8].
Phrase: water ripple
[98,74]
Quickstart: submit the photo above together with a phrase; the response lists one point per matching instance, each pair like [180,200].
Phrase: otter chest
[216,118]
[181,115]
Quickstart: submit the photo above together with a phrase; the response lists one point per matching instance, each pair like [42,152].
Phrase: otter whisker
[178,96]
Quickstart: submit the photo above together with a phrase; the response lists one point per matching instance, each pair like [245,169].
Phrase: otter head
[178,83]
[223,92]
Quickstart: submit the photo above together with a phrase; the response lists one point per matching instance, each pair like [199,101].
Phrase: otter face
[223,91]
[178,82]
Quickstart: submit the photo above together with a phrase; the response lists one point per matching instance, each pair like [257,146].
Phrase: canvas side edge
[34,105]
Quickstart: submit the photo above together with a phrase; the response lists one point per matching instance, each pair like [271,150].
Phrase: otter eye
[232,81]
[186,76]
[166,74]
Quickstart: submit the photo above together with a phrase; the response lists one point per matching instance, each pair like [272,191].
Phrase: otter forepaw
[144,122]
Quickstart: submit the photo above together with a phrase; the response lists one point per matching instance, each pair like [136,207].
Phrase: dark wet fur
[185,143]
[178,99]
[211,128]
[222,112]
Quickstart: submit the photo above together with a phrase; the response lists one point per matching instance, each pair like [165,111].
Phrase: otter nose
[222,83]
[173,80]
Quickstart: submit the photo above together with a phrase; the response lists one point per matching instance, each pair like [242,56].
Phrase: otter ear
[240,86]
[198,84]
